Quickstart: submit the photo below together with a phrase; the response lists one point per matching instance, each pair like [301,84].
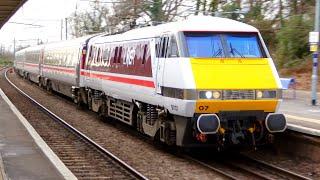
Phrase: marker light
[208,94]
[216,94]
[259,94]
[266,94]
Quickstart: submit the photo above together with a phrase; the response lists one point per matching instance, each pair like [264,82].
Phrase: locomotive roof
[31,48]
[67,43]
[59,44]
[193,23]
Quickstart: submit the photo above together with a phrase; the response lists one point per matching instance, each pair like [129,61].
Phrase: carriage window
[157,49]
[119,55]
[162,47]
[106,54]
[115,57]
[173,51]
[98,55]
[145,48]
[90,53]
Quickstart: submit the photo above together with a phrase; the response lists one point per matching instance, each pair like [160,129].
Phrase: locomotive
[204,81]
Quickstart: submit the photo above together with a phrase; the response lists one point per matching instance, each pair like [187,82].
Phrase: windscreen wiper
[232,50]
[218,53]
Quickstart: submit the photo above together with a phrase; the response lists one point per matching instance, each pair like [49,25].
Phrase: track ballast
[84,157]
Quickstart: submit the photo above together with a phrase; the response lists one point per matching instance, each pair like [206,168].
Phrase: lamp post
[314,76]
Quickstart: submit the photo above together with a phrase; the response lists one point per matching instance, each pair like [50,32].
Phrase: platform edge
[2,171]
[305,130]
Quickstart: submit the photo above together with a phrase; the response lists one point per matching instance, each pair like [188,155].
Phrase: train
[201,82]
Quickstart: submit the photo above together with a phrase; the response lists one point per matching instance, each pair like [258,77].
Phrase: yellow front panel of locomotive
[237,74]
[215,73]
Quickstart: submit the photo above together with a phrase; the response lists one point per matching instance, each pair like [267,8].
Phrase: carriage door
[82,52]
[41,62]
[161,55]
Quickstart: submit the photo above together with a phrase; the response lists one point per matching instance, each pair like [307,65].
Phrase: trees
[123,15]
[292,45]
[90,22]
[283,24]
[292,38]
[135,12]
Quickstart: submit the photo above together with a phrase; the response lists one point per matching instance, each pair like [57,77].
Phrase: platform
[301,115]
[23,153]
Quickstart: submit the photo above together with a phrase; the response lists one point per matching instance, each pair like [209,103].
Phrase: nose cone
[224,73]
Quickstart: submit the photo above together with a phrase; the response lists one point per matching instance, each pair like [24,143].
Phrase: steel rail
[127,167]
[3,68]
[229,165]
[276,168]
[227,175]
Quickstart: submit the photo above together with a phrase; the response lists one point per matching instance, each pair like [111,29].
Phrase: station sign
[313,37]
[313,47]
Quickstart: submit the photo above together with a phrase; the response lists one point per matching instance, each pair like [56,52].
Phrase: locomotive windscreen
[223,45]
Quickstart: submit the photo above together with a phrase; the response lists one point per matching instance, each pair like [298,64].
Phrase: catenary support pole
[14,47]
[314,76]
[61,30]
[66,28]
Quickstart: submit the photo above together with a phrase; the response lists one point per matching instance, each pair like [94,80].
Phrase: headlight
[205,94]
[209,94]
[216,95]
[266,94]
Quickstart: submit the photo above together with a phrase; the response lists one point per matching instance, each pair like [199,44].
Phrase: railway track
[2,68]
[267,170]
[239,166]
[84,157]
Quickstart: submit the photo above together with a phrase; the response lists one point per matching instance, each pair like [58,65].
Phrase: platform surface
[300,113]
[21,157]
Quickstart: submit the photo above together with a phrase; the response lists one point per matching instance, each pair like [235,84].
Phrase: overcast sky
[46,13]
[45,16]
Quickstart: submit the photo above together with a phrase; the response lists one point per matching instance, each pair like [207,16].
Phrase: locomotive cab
[225,85]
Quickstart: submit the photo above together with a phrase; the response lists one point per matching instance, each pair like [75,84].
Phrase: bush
[5,61]
[292,41]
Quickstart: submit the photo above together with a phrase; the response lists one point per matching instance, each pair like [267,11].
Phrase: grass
[5,61]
